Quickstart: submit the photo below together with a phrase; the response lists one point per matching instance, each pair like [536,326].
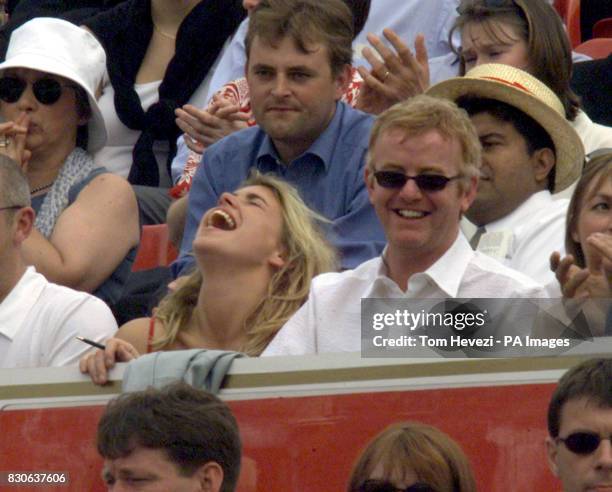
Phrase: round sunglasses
[582,442]
[425,182]
[46,90]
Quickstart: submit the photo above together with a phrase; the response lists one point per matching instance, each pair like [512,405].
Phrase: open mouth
[221,220]
[410,214]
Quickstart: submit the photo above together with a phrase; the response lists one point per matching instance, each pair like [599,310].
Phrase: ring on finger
[4,141]
[386,74]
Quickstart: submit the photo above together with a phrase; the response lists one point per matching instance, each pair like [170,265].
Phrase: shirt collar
[522,213]
[448,271]
[18,304]
[323,147]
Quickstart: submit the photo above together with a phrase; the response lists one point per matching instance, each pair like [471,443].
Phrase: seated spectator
[256,253]
[161,55]
[86,229]
[229,110]
[579,443]
[529,152]
[177,439]
[38,320]
[527,34]
[412,457]
[298,68]
[586,271]
[422,174]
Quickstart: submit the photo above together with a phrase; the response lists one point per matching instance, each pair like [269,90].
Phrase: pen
[91,342]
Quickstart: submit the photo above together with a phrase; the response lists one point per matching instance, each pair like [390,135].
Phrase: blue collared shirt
[329,177]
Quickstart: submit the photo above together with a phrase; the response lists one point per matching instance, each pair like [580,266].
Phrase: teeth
[222,220]
[411,214]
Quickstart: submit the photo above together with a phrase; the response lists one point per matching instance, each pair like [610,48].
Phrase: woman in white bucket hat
[87,226]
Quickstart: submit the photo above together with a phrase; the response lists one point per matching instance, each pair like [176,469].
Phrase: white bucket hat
[58,47]
[534,98]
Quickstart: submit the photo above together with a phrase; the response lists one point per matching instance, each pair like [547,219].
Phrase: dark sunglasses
[426,182]
[47,91]
[384,486]
[582,442]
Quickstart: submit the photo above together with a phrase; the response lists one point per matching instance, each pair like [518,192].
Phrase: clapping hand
[396,74]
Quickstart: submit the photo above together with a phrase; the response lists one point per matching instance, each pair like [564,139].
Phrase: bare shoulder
[137,332]
[109,183]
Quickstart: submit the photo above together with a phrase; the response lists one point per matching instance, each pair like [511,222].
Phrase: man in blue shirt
[298,67]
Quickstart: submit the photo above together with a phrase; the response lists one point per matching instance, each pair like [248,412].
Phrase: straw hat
[58,47]
[523,91]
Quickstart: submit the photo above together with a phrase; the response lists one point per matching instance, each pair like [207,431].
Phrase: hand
[14,133]
[97,363]
[204,127]
[397,77]
[576,282]
[599,247]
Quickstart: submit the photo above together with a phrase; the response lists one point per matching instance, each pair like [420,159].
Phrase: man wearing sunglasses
[580,428]
[421,175]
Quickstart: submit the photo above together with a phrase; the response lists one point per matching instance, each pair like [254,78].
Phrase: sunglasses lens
[377,485]
[431,182]
[11,89]
[582,442]
[47,91]
[390,179]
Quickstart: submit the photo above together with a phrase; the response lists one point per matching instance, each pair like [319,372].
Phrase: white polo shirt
[40,320]
[330,321]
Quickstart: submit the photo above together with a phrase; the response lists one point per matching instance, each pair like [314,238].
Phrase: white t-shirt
[330,321]
[40,320]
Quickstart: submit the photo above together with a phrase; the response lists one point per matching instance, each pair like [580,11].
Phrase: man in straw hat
[530,151]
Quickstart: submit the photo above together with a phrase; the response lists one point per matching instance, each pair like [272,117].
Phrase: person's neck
[12,272]
[44,167]
[169,14]
[227,298]
[404,263]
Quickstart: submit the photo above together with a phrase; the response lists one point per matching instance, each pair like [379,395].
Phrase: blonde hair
[421,114]
[434,457]
[306,253]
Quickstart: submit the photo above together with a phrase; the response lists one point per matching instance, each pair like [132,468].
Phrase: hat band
[511,84]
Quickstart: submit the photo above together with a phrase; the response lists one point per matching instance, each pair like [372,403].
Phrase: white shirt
[40,320]
[525,238]
[593,135]
[330,321]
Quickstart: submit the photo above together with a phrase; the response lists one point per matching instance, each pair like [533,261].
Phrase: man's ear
[468,194]
[342,80]
[210,477]
[543,161]
[369,181]
[551,453]
[23,221]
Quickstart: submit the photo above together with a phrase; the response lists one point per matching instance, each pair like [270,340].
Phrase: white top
[330,321]
[593,135]
[525,238]
[116,155]
[39,321]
